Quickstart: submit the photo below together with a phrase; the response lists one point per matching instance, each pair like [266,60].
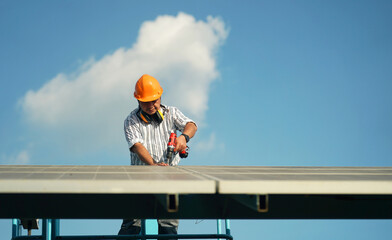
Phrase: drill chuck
[170,151]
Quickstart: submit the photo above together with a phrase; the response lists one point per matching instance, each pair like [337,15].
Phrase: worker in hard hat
[147,130]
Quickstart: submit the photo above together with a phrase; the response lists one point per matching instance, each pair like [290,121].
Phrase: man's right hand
[144,155]
[161,164]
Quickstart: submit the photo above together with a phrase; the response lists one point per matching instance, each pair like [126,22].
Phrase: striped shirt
[154,136]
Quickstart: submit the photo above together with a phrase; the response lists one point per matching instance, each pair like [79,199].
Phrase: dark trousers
[133,226]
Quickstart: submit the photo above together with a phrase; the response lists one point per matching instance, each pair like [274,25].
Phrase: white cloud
[21,158]
[87,108]
[210,144]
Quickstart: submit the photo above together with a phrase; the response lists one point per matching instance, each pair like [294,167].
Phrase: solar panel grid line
[96,172]
[216,180]
[127,173]
[65,172]
[204,175]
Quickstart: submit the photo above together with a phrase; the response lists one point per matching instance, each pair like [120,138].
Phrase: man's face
[150,107]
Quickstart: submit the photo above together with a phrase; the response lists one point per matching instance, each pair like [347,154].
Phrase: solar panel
[203,192]
[298,180]
[101,179]
[195,179]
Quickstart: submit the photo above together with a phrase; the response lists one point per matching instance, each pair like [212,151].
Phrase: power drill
[171,145]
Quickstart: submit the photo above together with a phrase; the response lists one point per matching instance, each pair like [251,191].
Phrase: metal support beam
[55,228]
[218,227]
[15,228]
[166,236]
[51,231]
[227,225]
[47,234]
[143,227]
[198,206]
[257,203]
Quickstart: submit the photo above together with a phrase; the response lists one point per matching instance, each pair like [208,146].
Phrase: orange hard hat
[147,89]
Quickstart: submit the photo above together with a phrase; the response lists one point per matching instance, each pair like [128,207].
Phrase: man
[147,131]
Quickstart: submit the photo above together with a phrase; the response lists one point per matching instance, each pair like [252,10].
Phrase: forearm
[143,154]
[190,129]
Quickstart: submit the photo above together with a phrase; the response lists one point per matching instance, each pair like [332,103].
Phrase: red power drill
[171,145]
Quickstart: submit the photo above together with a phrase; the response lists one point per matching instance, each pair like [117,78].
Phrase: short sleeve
[180,120]
[132,132]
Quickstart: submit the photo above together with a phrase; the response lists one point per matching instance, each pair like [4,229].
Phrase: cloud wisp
[21,158]
[87,108]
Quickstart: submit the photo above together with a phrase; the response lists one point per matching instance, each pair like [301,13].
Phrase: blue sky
[270,83]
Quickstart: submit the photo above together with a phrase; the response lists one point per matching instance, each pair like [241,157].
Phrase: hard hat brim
[147,99]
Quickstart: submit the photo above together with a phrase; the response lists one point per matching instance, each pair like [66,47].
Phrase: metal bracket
[169,201]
